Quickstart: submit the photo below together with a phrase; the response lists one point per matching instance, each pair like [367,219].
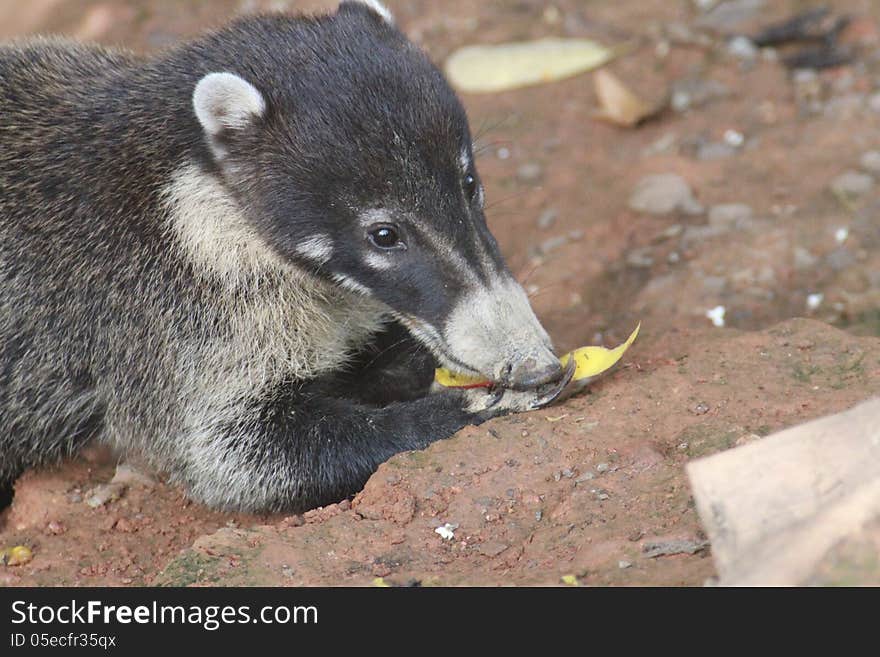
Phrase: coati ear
[373,5]
[224,101]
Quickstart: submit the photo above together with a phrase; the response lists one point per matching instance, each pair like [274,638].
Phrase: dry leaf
[618,104]
[512,65]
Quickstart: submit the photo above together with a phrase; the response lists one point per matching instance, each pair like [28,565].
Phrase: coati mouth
[536,379]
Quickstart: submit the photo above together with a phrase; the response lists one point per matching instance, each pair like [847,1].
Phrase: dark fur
[104,324]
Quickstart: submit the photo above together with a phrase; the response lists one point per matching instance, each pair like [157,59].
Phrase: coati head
[352,157]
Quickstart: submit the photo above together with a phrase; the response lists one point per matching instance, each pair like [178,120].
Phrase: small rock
[727,17]
[852,184]
[716,315]
[840,259]
[814,300]
[547,218]
[587,476]
[664,548]
[104,494]
[127,475]
[530,172]
[734,138]
[602,468]
[623,565]
[689,93]
[55,528]
[713,150]
[730,215]
[742,48]
[663,194]
[870,162]
[701,409]
[447,531]
[803,259]
[640,258]
[602,496]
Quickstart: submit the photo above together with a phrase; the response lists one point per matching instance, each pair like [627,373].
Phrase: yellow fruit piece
[590,362]
[16,556]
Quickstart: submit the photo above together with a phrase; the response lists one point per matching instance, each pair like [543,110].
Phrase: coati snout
[242,259]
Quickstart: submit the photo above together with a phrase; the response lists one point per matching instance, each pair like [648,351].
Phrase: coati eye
[470,186]
[385,237]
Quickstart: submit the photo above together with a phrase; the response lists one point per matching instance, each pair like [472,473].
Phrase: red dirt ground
[583,488]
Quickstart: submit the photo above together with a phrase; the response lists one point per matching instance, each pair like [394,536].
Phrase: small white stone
[716,315]
[814,300]
[503,153]
[734,138]
[840,235]
[446,532]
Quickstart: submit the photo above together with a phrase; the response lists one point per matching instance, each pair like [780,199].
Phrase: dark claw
[551,392]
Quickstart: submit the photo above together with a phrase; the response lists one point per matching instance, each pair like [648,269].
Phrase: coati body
[242,260]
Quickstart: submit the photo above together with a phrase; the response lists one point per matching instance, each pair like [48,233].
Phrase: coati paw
[495,402]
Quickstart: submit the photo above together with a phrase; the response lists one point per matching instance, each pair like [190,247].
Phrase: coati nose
[530,374]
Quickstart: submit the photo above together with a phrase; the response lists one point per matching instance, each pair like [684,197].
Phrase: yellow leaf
[16,556]
[571,580]
[513,65]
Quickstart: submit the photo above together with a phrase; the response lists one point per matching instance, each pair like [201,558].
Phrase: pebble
[730,215]
[840,259]
[623,565]
[547,218]
[727,16]
[701,409]
[716,315]
[689,93]
[814,300]
[803,259]
[870,162]
[734,138]
[852,184]
[602,468]
[714,150]
[104,494]
[663,194]
[640,258]
[742,48]
[587,476]
[446,531]
[530,172]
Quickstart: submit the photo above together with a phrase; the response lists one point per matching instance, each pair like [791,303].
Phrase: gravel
[870,162]
[663,194]
[852,184]
[730,215]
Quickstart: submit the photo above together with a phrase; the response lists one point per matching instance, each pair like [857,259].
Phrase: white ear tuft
[379,8]
[224,101]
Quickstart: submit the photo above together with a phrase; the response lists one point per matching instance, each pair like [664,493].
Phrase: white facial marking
[465,161]
[494,326]
[380,9]
[318,248]
[226,101]
[377,261]
[351,284]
